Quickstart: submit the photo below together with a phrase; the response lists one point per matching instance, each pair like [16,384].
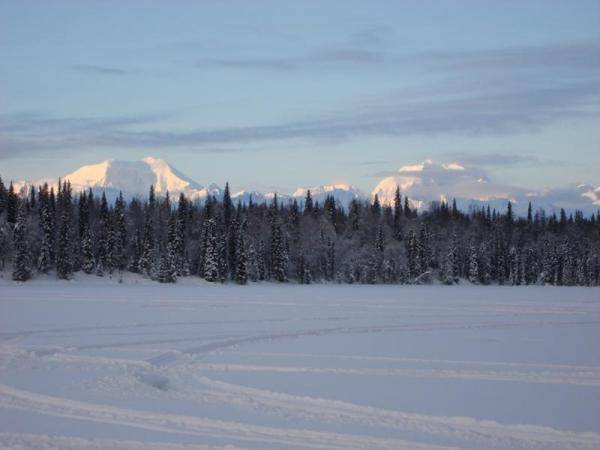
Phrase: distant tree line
[161,239]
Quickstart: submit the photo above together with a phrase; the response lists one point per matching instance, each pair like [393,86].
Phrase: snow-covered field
[92,364]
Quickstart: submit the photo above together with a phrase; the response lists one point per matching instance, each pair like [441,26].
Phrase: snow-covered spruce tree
[388,272]
[147,262]
[594,269]
[330,273]
[22,256]
[413,254]
[300,268]
[473,265]
[222,258]
[12,205]
[354,215]
[424,249]
[180,238]
[306,275]
[397,214]
[135,252]
[241,270]
[407,210]
[531,266]
[232,235]
[211,253]
[485,275]
[167,271]
[3,196]
[449,265]
[119,235]
[253,273]
[568,265]
[261,263]
[514,276]
[104,239]
[548,263]
[308,204]
[227,207]
[376,207]
[278,255]
[330,211]
[64,252]
[88,263]
[45,257]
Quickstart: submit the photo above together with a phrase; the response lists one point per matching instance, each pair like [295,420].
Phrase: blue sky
[275,95]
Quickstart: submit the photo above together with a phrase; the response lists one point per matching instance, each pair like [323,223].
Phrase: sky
[272,95]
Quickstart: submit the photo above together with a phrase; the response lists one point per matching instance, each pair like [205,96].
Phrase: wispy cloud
[104,70]
[450,105]
[341,57]
[510,111]
[565,56]
[368,51]
[250,63]
[497,159]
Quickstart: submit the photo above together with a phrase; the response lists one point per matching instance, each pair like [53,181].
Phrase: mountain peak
[133,177]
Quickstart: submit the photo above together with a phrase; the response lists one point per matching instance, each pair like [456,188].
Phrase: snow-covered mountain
[422,183]
[471,186]
[135,177]
[341,192]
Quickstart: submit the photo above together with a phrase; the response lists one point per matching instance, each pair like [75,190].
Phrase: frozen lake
[95,364]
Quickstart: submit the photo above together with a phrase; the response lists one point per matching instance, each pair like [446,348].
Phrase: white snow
[94,363]
[343,194]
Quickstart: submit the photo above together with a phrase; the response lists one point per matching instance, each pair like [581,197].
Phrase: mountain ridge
[422,183]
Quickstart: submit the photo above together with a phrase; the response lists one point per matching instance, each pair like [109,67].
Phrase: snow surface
[93,363]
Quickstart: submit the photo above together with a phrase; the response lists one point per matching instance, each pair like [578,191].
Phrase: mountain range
[422,183]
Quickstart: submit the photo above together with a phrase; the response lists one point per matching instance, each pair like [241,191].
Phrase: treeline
[63,233]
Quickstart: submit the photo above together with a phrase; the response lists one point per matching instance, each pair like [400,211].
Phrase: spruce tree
[241,270]
[397,215]
[413,255]
[223,267]
[227,206]
[167,270]
[3,196]
[22,256]
[233,233]
[64,253]
[376,207]
[262,266]
[253,272]
[46,224]
[308,204]
[119,237]
[473,265]
[12,205]
[211,255]
[147,258]
[180,239]
[450,263]
[88,263]
[354,215]
[104,246]
[485,275]
[514,266]
[278,255]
